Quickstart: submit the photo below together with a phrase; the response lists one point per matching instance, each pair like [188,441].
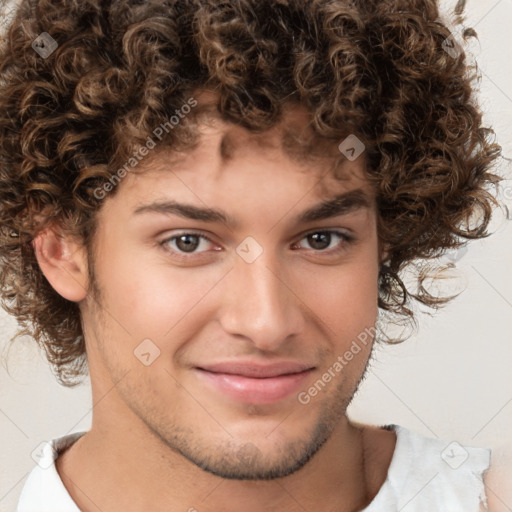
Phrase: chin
[248,463]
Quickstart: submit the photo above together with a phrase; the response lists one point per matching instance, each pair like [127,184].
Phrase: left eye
[321,240]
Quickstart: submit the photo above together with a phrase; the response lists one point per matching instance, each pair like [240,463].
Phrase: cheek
[344,298]
[149,299]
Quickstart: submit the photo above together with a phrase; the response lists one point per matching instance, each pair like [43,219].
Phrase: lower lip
[256,391]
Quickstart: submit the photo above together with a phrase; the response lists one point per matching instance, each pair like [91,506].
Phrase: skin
[181,443]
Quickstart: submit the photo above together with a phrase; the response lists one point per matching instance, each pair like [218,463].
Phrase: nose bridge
[259,305]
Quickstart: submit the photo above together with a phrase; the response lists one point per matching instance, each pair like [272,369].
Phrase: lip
[256,383]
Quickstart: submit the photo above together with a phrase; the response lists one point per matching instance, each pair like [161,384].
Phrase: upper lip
[256,370]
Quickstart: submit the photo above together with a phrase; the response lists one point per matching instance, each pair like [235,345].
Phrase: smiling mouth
[255,384]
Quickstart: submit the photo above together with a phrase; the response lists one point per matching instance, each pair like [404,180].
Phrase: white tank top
[432,475]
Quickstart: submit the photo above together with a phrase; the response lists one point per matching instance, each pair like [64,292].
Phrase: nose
[260,304]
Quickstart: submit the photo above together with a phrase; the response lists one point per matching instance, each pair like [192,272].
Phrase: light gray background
[451,380]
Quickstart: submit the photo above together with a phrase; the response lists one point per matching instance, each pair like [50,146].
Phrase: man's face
[243,319]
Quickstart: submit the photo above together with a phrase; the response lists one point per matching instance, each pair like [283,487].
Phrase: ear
[63,262]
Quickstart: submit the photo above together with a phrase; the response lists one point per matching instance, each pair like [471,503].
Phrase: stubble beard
[244,460]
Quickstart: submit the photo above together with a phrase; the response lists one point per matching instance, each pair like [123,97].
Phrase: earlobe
[63,262]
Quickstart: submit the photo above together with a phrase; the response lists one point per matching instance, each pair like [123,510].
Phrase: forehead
[220,145]
[246,180]
[287,167]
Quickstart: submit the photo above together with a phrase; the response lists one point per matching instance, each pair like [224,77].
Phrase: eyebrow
[341,204]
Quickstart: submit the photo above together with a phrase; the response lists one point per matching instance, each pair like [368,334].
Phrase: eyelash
[345,238]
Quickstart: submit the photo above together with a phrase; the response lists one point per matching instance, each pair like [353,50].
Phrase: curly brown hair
[373,68]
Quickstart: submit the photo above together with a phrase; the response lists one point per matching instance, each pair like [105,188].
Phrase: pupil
[323,244]
[184,243]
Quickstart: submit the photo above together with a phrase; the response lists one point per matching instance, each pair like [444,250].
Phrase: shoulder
[43,490]
[426,473]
